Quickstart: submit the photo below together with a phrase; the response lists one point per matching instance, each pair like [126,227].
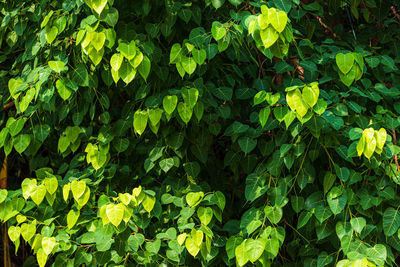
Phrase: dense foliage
[212,132]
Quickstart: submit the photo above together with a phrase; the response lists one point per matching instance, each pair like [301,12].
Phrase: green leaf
[16,126]
[153,247]
[255,187]
[169,103]
[56,66]
[115,213]
[218,30]
[310,95]
[175,55]
[3,195]
[80,75]
[78,188]
[278,19]
[116,61]
[337,199]
[155,115]
[358,224]
[263,115]
[185,112]
[127,50]
[247,144]
[296,103]
[217,3]
[205,215]
[241,255]
[144,68]
[254,249]
[344,62]
[192,169]
[166,164]
[380,137]
[348,78]
[51,184]
[272,247]
[223,93]
[21,142]
[41,132]
[48,243]
[391,221]
[189,65]
[148,203]
[231,245]
[193,242]
[51,34]
[41,257]
[140,121]
[274,214]
[46,19]
[97,40]
[199,55]
[96,56]
[329,180]
[14,232]
[369,142]
[72,218]
[297,203]
[269,36]
[190,96]
[235,2]
[137,60]
[28,230]
[97,5]
[194,198]
[219,199]
[62,90]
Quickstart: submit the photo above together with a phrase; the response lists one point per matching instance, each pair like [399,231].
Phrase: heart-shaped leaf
[14,232]
[254,249]
[51,184]
[190,96]
[205,214]
[115,213]
[344,62]
[269,36]
[185,112]
[140,121]
[78,188]
[169,103]
[98,5]
[194,198]
[38,194]
[72,218]
[98,39]
[28,230]
[189,65]
[199,55]
[51,34]
[128,50]
[48,244]
[56,66]
[278,19]
[218,31]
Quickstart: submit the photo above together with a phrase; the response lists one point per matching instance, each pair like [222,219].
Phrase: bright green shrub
[204,132]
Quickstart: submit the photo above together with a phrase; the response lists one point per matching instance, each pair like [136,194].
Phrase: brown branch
[394,11]
[6,246]
[395,143]
[326,27]
[8,105]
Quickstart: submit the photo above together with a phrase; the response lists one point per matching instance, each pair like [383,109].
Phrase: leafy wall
[202,132]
